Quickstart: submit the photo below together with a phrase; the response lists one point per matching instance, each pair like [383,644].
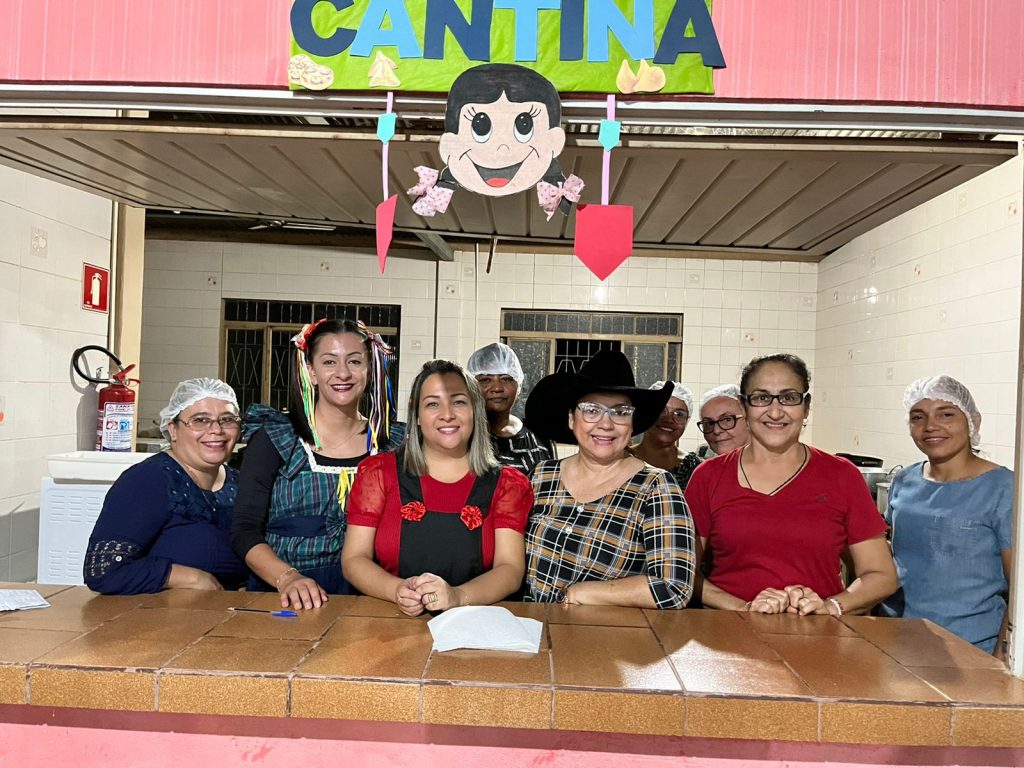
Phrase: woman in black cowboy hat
[606,528]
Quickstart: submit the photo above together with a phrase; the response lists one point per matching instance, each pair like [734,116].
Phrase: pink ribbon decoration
[432,198]
[550,195]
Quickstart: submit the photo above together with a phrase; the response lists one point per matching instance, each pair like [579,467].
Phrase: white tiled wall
[936,290]
[732,310]
[185,283]
[41,323]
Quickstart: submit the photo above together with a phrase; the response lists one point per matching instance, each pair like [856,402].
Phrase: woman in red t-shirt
[438,524]
[777,515]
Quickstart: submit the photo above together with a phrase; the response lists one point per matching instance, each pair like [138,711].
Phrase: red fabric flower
[414,510]
[472,517]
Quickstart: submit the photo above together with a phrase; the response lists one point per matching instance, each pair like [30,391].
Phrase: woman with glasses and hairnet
[660,444]
[722,421]
[951,520]
[166,522]
[499,374]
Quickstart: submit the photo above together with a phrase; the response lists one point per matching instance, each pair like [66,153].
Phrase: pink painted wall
[911,51]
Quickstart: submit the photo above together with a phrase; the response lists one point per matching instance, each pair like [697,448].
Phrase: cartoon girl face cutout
[502,132]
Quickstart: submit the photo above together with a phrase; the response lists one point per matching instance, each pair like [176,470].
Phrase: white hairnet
[495,359]
[190,392]
[948,390]
[725,390]
[678,390]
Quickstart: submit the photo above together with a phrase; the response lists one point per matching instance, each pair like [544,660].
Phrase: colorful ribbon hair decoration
[307,391]
[382,396]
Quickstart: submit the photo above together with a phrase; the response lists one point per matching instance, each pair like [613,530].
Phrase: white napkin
[21,600]
[486,627]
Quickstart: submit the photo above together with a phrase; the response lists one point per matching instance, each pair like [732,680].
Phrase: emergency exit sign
[95,288]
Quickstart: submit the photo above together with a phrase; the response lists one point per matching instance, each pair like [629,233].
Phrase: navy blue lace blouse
[153,517]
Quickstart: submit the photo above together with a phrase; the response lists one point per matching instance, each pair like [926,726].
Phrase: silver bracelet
[837,604]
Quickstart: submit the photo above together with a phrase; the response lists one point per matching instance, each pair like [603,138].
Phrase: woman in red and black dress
[438,524]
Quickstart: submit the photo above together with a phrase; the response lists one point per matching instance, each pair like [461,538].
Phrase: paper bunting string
[604,233]
[385,216]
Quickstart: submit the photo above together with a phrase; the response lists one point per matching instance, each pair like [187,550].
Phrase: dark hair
[296,414]
[486,83]
[481,454]
[794,363]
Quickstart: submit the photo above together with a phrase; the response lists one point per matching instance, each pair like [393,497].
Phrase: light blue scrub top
[946,541]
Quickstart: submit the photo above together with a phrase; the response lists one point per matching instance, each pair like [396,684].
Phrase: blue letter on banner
[473,36]
[604,17]
[401,34]
[526,23]
[306,37]
[704,42]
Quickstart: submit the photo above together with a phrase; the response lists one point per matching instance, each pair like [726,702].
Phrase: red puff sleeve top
[375,502]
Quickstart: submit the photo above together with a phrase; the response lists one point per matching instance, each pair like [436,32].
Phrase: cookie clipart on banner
[502,135]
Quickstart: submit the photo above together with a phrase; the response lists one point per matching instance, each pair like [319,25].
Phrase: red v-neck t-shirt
[795,537]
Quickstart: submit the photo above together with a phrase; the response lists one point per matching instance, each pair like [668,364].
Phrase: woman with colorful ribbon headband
[299,466]
[438,524]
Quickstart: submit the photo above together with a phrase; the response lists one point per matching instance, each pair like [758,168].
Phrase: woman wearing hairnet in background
[660,444]
[499,374]
[951,520]
[166,521]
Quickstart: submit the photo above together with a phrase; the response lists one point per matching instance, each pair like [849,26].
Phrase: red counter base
[57,737]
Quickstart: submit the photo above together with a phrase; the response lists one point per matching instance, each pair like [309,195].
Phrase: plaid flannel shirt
[642,527]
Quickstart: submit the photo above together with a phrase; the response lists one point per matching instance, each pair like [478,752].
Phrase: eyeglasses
[764,399]
[205,423]
[707,426]
[679,415]
[593,413]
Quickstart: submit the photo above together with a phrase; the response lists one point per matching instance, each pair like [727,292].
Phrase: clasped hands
[426,592]
[792,599]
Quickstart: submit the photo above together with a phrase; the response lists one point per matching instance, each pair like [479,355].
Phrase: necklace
[784,483]
[336,444]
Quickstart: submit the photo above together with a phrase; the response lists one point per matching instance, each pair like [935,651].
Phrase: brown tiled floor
[360,646]
[850,668]
[738,677]
[610,657]
[24,645]
[241,654]
[708,634]
[491,666]
[920,643]
[702,674]
[71,609]
[148,637]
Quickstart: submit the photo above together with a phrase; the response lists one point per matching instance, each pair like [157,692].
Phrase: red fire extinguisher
[115,417]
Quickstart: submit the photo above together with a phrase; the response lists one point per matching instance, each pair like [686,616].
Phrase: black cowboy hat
[548,406]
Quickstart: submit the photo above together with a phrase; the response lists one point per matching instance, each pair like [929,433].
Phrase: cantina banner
[591,46]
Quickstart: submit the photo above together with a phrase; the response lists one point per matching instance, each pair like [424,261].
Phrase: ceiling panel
[760,197]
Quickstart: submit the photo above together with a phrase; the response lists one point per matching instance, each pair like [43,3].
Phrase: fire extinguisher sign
[95,288]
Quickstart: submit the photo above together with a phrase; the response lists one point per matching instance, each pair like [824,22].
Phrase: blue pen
[266,610]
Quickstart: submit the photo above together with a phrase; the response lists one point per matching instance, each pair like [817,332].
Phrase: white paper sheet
[21,600]
[485,627]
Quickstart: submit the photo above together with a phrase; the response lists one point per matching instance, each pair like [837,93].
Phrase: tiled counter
[654,677]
